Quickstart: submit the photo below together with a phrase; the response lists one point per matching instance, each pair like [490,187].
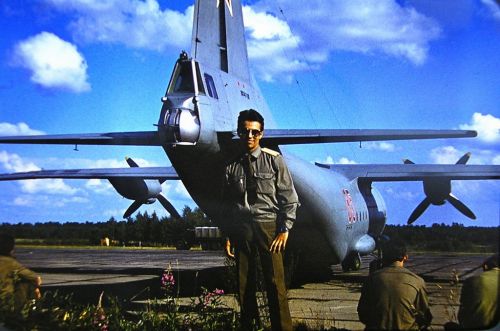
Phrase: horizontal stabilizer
[139,138]
[159,173]
[291,136]
[414,172]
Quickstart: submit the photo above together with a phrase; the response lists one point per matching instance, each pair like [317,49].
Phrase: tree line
[150,230]
[142,230]
[447,238]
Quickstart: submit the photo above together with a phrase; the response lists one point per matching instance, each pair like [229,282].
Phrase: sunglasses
[246,132]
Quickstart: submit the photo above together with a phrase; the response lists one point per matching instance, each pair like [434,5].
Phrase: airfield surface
[135,274]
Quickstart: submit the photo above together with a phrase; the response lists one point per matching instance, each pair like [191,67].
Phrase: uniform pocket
[237,185]
[265,182]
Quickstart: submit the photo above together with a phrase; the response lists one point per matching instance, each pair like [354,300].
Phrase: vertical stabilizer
[219,37]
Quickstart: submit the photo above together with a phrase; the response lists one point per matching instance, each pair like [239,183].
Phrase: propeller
[142,191]
[132,208]
[438,191]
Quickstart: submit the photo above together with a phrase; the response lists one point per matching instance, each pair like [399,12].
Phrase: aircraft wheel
[352,262]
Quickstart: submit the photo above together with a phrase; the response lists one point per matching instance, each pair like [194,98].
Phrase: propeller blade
[464,158]
[132,208]
[419,210]
[168,206]
[131,162]
[461,207]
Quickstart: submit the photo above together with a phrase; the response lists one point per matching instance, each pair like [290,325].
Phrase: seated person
[479,299]
[393,297]
[18,284]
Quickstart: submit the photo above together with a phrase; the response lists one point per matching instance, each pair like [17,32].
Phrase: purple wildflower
[167,279]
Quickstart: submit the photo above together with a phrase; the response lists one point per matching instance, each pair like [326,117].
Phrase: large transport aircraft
[342,215]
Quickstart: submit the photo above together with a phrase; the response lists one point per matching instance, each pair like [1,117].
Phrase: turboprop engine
[437,192]
[142,191]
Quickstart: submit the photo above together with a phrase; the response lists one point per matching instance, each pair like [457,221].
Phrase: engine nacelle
[137,189]
[437,190]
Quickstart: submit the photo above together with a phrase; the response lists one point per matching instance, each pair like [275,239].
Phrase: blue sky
[102,66]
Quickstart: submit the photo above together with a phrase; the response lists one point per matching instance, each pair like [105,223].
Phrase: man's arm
[287,197]
[288,202]
[424,316]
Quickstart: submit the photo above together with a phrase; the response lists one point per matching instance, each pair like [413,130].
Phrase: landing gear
[352,262]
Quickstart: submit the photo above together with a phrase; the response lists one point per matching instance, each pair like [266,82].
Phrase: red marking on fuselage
[351,210]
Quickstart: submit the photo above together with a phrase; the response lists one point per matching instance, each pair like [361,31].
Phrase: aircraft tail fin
[218,37]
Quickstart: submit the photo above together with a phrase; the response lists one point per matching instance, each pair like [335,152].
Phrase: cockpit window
[183,78]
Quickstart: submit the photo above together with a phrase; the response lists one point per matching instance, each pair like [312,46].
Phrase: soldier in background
[479,299]
[393,297]
[18,284]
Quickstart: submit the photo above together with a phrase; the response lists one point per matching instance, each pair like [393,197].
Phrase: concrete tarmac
[134,275]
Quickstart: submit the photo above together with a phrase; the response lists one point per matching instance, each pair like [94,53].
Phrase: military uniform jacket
[394,298]
[479,301]
[276,198]
[12,276]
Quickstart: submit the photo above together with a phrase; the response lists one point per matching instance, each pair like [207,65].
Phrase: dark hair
[250,115]
[393,250]
[491,262]
[6,244]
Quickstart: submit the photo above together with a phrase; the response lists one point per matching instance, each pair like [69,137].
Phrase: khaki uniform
[17,283]
[479,301]
[394,298]
[254,213]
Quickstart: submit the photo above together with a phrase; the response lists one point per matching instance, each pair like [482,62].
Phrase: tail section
[219,37]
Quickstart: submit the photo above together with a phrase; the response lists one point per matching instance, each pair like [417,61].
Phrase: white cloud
[445,155]
[19,129]
[134,23]
[175,190]
[99,186]
[487,127]
[269,40]
[330,160]
[45,201]
[53,62]
[401,193]
[450,155]
[321,27]
[380,146]
[14,163]
[493,7]
[50,186]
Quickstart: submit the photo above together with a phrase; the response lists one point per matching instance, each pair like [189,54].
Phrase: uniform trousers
[252,243]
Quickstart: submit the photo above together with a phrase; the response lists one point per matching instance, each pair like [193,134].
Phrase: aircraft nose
[182,126]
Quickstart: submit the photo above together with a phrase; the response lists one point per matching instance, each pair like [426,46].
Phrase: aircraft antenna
[318,82]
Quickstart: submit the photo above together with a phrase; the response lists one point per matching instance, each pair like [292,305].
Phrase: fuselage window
[211,86]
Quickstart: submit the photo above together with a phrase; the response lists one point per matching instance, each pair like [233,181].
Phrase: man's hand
[228,249]
[279,242]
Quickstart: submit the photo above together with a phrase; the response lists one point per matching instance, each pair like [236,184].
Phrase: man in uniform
[479,299]
[18,284]
[394,298]
[260,204]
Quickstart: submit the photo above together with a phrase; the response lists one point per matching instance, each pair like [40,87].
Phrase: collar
[256,153]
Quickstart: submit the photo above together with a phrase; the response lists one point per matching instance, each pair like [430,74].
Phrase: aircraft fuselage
[197,123]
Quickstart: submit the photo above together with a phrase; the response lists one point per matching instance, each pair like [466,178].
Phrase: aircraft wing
[160,173]
[414,172]
[313,136]
[138,138]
